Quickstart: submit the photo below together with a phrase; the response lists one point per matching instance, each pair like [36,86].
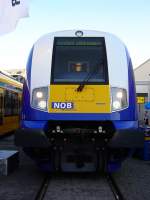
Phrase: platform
[9,161]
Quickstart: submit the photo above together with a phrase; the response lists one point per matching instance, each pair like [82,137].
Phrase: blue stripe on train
[119,125]
[29,65]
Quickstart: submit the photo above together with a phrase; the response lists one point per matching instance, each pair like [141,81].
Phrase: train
[79,103]
[10,103]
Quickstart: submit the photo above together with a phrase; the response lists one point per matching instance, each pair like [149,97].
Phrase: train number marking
[62,105]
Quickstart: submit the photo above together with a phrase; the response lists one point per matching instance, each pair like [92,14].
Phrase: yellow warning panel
[92,99]
[140,100]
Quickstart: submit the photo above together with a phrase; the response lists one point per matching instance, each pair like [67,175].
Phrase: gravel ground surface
[78,187]
[133,180]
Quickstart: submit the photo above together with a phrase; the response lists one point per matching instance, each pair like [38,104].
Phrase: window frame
[106,82]
[13,103]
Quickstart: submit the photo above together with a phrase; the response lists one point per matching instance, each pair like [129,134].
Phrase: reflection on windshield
[73,63]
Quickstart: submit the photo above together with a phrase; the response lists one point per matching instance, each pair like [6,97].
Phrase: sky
[127,19]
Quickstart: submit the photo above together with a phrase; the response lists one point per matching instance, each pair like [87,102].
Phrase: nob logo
[62,105]
[15,2]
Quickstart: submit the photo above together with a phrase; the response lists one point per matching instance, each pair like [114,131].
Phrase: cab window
[74,59]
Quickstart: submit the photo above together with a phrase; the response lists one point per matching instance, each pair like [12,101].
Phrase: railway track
[114,187]
[67,187]
[43,188]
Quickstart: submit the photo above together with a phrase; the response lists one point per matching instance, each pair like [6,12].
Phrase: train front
[79,104]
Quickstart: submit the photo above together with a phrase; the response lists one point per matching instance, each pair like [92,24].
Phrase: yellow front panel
[92,99]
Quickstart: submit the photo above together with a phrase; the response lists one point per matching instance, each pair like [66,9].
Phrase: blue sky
[128,19]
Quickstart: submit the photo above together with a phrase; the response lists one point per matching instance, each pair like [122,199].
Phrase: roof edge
[142,64]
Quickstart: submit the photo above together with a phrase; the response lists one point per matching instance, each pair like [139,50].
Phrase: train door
[1,106]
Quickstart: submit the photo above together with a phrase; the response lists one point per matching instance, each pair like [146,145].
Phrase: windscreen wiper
[87,78]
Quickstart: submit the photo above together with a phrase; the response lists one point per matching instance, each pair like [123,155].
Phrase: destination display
[79,41]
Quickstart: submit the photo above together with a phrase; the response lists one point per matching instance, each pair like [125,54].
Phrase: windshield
[75,58]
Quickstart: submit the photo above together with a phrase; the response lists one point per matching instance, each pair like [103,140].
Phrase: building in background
[18,74]
[142,79]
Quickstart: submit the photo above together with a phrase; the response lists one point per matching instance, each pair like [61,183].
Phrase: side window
[1,108]
[7,103]
[11,103]
[14,105]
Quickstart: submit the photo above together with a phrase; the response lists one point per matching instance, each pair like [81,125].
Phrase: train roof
[8,79]
[85,33]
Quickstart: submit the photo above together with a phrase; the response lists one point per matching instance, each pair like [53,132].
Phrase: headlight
[39,94]
[116,105]
[42,104]
[119,95]
[39,98]
[119,98]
